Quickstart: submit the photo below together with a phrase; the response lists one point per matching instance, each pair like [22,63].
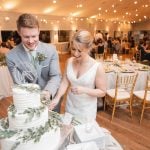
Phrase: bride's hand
[78,90]
[53,104]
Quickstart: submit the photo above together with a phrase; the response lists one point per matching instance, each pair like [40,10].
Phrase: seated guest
[100,48]
[144,54]
[10,43]
[3,48]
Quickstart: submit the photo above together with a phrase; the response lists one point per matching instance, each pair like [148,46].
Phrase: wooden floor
[130,134]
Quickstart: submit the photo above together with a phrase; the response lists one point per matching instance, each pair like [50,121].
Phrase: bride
[84,78]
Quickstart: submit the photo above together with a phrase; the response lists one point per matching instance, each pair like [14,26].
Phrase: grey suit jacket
[48,70]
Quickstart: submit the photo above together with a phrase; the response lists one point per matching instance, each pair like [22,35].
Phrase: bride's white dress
[82,106]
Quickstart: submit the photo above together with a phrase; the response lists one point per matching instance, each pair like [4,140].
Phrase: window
[45,36]
[63,36]
[7,34]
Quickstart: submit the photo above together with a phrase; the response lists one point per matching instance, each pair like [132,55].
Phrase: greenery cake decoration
[31,134]
[31,112]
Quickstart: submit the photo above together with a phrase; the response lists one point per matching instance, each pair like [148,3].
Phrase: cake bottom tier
[48,141]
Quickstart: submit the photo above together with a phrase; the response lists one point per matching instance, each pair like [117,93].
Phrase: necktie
[32,58]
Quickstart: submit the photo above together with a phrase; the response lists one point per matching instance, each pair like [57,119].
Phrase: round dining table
[5,82]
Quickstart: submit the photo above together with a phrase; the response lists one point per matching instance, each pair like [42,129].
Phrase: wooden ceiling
[114,10]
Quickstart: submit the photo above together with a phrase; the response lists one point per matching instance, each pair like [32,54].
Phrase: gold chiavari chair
[122,93]
[143,97]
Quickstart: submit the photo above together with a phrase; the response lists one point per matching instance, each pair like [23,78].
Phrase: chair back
[122,94]
[146,100]
[147,89]
[99,56]
[125,82]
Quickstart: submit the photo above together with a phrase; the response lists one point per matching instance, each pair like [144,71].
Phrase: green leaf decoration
[7,133]
[31,134]
[13,110]
[4,123]
[31,112]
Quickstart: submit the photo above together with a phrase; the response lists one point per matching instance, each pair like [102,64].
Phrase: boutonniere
[40,57]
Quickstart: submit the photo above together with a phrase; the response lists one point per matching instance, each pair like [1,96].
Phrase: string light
[54,1]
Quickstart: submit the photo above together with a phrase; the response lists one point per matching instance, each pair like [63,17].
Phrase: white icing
[19,121]
[24,99]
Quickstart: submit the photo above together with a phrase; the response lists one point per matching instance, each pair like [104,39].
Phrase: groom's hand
[53,104]
[46,95]
[24,72]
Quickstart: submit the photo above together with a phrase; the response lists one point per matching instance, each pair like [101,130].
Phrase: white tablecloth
[140,83]
[5,82]
[112,70]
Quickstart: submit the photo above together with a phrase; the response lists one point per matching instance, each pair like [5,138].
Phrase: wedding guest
[33,61]
[145,54]
[84,78]
[3,48]
[100,48]
[10,42]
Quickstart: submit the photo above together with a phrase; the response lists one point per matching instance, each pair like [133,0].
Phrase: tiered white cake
[28,126]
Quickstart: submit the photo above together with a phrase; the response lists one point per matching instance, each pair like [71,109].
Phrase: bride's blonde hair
[84,37]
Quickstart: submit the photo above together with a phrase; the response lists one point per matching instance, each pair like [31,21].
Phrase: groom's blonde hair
[27,20]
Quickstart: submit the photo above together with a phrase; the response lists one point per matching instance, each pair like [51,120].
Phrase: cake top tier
[25,88]
[26,96]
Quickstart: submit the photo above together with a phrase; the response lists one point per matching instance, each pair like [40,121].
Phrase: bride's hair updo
[84,37]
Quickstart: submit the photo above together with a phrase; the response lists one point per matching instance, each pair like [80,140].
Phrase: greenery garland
[4,130]
[31,112]
[31,134]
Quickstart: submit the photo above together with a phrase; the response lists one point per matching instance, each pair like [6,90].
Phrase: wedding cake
[28,126]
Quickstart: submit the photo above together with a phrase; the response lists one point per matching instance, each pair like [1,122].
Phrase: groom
[33,61]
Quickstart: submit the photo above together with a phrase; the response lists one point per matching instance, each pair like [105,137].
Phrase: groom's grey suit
[48,70]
